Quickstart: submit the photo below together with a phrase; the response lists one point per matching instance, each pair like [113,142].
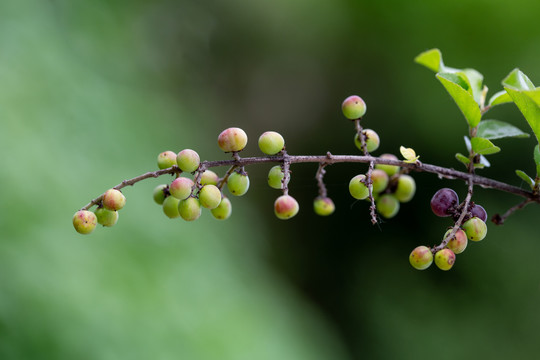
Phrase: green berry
[223,210]
[210,196]
[160,193]
[372,140]
[353,107]
[421,257]
[188,160]
[170,207]
[379,178]
[189,209]
[271,142]
[181,188]
[387,205]
[275,176]
[209,177]
[285,207]
[106,217]
[238,184]
[406,187]
[475,229]
[84,221]
[323,206]
[445,259]
[389,169]
[113,200]
[458,243]
[357,188]
[166,159]
[232,139]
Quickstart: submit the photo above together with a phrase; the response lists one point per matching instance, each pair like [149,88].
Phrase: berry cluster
[106,214]
[469,224]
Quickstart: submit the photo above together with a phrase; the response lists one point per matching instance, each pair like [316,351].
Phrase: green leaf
[432,59]
[525,178]
[483,146]
[454,84]
[495,129]
[528,102]
[475,81]
[463,159]
[518,81]
[537,154]
[499,98]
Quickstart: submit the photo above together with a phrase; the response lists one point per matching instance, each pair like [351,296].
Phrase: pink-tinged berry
[445,259]
[188,160]
[106,217]
[166,159]
[406,188]
[285,207]
[181,188]
[189,209]
[223,210]
[387,205]
[458,242]
[232,139]
[379,179]
[113,200]
[371,138]
[475,229]
[84,221]
[353,107]
[421,257]
[357,188]
[271,142]
[170,207]
[443,202]
[210,196]
[209,177]
[323,206]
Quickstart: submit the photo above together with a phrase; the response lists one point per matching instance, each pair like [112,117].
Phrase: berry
[353,107]
[113,200]
[444,201]
[387,205]
[285,207]
[170,207]
[106,217]
[84,221]
[166,159]
[223,210]
[458,243]
[275,175]
[357,188]
[323,206]
[189,209]
[406,187]
[380,180]
[371,138]
[479,212]
[389,169]
[209,177]
[238,184]
[421,258]
[181,187]
[232,139]
[188,160]
[160,193]
[445,259]
[475,229]
[271,142]
[210,196]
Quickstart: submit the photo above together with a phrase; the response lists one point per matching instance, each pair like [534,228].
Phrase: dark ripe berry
[443,201]
[479,212]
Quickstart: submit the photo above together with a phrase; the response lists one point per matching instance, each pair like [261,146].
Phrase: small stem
[286,172]
[499,220]
[319,177]
[368,181]
[224,179]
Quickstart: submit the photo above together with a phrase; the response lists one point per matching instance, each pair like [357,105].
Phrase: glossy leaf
[496,129]
[463,159]
[475,82]
[528,102]
[432,59]
[458,88]
[518,81]
[537,154]
[483,159]
[499,98]
[483,146]
[525,178]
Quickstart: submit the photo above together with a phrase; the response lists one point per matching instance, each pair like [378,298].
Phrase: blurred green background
[92,91]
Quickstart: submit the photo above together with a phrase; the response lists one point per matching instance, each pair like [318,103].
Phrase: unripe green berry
[475,229]
[285,207]
[275,175]
[159,193]
[372,140]
[387,205]
[389,169]
[181,188]
[271,142]
[232,139]
[113,200]
[406,188]
[209,177]
[238,184]
[223,210]
[353,107]
[421,257]
[323,206]
[379,178]
[445,259]
[210,196]
[166,159]
[189,209]
[106,217]
[170,207]
[458,243]
[84,221]
[357,188]
[188,160]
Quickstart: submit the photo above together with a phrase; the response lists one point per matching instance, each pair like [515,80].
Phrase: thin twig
[499,219]
[368,180]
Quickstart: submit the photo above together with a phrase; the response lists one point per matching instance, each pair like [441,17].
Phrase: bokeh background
[92,91]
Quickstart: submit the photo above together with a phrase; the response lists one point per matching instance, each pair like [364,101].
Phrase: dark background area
[92,91]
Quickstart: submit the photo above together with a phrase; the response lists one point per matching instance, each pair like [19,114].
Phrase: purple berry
[443,201]
[479,212]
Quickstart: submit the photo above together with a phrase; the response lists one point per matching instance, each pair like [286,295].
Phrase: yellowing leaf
[409,154]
